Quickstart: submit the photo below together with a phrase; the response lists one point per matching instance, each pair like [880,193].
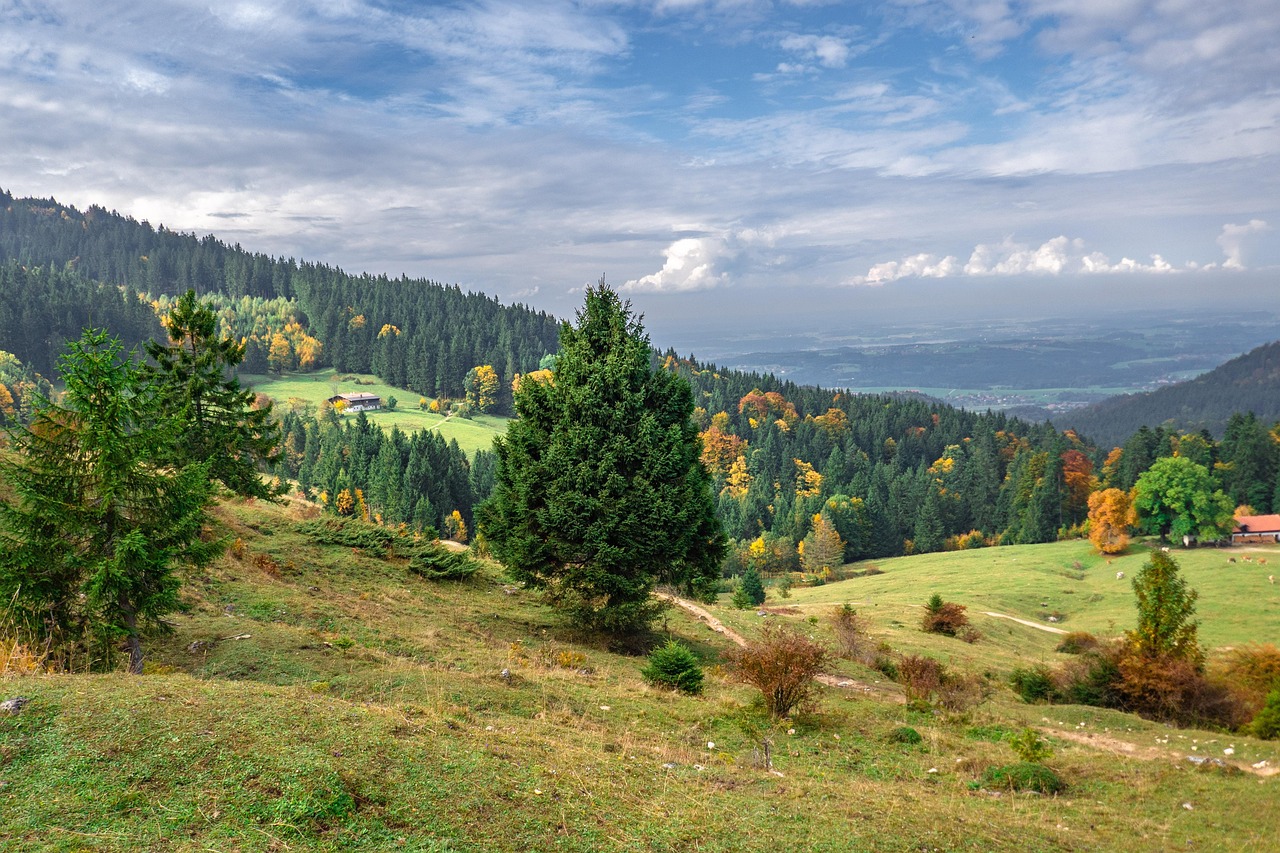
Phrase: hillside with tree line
[1250,382]
[799,473]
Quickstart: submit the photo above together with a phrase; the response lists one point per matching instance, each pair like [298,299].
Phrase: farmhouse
[1256,528]
[359,402]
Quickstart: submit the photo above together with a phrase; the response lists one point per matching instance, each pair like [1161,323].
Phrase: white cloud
[691,264]
[827,51]
[1232,241]
[1057,256]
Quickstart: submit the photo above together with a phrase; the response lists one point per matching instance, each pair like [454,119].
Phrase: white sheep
[1119,576]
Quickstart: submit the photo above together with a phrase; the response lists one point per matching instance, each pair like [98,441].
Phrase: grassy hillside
[316,698]
[472,434]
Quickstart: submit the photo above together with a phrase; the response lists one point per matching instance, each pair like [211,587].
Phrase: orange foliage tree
[1111,514]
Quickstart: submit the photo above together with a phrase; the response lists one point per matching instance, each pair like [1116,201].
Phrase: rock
[14,705]
[199,646]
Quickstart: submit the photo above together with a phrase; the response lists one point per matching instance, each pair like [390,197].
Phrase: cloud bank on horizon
[521,147]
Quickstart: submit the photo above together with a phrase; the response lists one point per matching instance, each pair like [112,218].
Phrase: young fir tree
[1166,611]
[195,377]
[599,491]
[750,591]
[100,521]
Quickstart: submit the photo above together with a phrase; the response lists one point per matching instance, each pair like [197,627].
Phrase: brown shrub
[946,617]
[781,665]
[920,677]
[267,565]
[1077,642]
[1175,690]
[1256,668]
[850,629]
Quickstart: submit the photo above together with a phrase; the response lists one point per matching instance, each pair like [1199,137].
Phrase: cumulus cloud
[1060,255]
[1232,241]
[691,264]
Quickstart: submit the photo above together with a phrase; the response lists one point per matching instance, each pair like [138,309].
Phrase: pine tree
[218,424]
[750,591]
[599,492]
[101,520]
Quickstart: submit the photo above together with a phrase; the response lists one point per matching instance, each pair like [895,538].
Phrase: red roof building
[1256,528]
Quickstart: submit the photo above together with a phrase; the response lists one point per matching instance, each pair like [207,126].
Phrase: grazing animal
[1164,548]
[1231,559]
[1261,562]
[1271,578]
[1247,559]
[1119,576]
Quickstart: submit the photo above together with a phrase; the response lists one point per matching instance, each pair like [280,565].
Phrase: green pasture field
[476,433]
[1237,602]
[320,698]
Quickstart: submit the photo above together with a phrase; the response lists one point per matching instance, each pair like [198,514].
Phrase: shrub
[1255,667]
[920,677]
[943,617]
[1023,776]
[435,562]
[850,629]
[1033,684]
[1030,747]
[1091,679]
[673,665]
[781,665]
[1266,724]
[905,734]
[1077,642]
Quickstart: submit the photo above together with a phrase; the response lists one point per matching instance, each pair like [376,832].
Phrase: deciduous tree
[1111,515]
[1176,497]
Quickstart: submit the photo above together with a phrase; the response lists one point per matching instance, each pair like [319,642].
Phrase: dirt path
[1027,622]
[1116,746]
[840,682]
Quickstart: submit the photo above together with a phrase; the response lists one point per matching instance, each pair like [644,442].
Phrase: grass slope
[316,698]
[476,433]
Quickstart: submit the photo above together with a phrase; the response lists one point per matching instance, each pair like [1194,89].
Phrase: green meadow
[472,434]
[323,698]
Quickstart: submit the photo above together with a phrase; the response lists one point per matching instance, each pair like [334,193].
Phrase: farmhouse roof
[1257,524]
[361,397]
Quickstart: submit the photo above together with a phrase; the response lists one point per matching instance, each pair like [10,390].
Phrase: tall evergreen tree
[101,520]
[218,423]
[600,492]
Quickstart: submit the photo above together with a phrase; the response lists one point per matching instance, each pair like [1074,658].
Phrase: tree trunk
[133,642]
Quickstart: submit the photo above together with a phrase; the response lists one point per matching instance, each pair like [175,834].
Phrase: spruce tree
[101,521]
[195,375]
[599,490]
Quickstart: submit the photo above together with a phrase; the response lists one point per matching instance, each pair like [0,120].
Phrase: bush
[905,734]
[1030,747]
[1255,667]
[1266,724]
[1023,776]
[1033,684]
[437,563]
[850,629]
[1077,642]
[943,617]
[920,677]
[673,665]
[781,665]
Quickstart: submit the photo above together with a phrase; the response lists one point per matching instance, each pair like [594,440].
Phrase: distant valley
[1034,369]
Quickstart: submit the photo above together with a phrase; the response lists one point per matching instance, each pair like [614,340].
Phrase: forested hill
[1250,382]
[415,333]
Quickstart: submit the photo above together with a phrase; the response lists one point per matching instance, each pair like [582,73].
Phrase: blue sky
[777,157]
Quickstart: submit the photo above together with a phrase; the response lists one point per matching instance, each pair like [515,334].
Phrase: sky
[727,163]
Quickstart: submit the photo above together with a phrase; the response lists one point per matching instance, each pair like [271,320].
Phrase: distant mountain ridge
[1250,382]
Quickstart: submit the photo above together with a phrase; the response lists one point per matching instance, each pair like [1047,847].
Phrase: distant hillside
[1250,382]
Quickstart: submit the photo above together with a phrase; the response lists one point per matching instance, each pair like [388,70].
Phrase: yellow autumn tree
[1111,514]
[808,481]
[738,480]
[481,386]
[823,549]
[280,353]
[455,527]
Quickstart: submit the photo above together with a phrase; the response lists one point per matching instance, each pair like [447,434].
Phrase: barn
[1256,529]
[359,402]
